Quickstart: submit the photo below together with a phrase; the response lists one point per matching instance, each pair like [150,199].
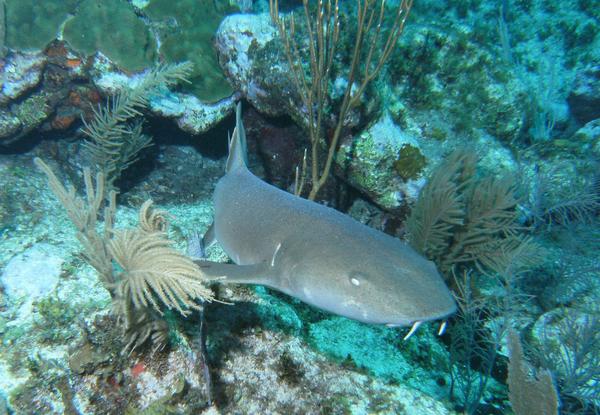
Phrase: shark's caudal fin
[237,144]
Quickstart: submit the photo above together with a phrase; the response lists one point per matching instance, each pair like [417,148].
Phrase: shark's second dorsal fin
[237,144]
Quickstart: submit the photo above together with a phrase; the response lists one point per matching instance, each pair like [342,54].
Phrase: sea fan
[152,269]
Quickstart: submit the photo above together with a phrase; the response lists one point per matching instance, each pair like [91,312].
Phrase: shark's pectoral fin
[209,237]
[238,274]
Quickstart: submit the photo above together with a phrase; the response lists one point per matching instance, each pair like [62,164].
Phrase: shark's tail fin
[237,143]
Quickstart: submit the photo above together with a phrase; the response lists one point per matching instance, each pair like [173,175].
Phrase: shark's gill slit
[275,254]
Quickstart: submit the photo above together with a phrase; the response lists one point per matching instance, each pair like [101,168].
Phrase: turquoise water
[469,130]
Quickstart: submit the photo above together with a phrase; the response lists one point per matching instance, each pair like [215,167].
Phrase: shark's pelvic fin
[240,274]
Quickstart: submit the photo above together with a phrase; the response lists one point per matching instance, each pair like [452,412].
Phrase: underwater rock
[9,125]
[32,274]
[190,114]
[21,72]
[152,382]
[107,76]
[587,139]
[176,375]
[252,55]
[584,99]
[280,147]
[442,70]
[244,44]
[86,359]
[384,162]
[31,113]
[44,91]
[285,369]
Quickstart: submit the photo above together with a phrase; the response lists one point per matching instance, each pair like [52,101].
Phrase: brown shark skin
[318,254]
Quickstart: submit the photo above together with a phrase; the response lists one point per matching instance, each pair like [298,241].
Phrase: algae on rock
[187,28]
[113,28]
[384,162]
[32,24]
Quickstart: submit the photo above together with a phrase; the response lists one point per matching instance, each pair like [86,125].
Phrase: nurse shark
[317,254]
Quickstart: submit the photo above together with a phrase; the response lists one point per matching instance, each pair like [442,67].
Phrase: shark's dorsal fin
[237,144]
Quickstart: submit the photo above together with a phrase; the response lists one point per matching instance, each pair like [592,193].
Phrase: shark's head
[374,279]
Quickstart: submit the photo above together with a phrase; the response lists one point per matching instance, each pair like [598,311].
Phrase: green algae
[32,24]
[438,134]
[187,28]
[33,110]
[112,27]
[410,162]
[56,318]
[449,72]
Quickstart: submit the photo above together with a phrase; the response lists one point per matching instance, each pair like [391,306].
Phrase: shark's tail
[237,143]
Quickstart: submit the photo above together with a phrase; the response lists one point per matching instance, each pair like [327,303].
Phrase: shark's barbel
[317,254]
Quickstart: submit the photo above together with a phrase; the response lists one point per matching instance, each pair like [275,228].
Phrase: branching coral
[462,220]
[114,142]
[466,223]
[148,274]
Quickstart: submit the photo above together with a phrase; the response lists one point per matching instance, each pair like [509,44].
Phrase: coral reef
[32,24]
[112,28]
[186,30]
[511,221]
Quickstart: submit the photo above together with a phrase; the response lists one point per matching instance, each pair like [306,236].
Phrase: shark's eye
[356,278]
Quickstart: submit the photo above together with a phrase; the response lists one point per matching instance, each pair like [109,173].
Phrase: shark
[318,254]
